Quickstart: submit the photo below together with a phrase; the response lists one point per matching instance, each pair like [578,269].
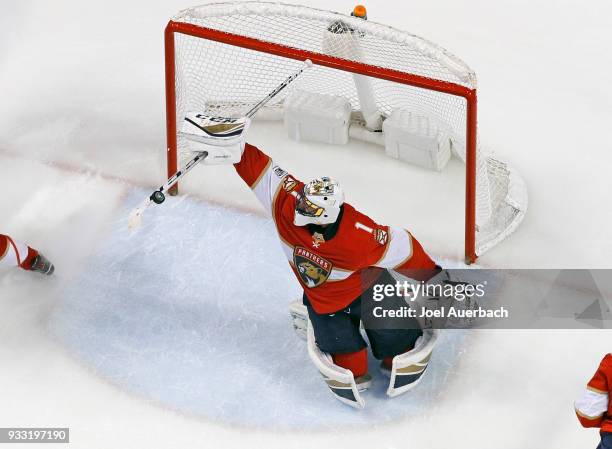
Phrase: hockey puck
[158,197]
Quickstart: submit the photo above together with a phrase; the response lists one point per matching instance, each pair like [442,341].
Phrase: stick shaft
[200,156]
[275,92]
[182,172]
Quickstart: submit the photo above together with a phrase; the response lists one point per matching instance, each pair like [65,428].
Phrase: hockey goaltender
[338,255]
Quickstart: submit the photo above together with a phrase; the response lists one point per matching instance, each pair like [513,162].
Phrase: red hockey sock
[26,264]
[356,362]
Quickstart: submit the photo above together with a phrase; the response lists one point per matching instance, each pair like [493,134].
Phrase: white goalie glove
[222,138]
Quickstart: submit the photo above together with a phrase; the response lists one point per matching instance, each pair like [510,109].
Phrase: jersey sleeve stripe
[339,275]
[398,250]
[267,187]
[579,413]
[278,188]
[12,243]
[409,256]
[595,390]
[275,196]
[15,252]
[261,175]
[252,164]
[287,249]
[384,254]
[592,405]
[344,269]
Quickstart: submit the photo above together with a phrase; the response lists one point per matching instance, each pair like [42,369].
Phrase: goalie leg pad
[408,368]
[340,381]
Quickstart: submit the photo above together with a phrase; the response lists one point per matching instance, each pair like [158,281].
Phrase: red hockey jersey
[594,408]
[332,272]
[14,253]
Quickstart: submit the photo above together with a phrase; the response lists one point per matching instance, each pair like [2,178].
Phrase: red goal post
[221,35]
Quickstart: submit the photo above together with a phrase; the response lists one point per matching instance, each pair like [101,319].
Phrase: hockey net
[223,58]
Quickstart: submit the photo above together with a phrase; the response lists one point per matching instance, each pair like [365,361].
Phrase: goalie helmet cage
[223,58]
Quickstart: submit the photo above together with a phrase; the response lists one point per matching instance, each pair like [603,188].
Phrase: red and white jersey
[13,253]
[333,272]
[594,408]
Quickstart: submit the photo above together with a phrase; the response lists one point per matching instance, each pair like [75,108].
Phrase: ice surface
[192,312]
[82,89]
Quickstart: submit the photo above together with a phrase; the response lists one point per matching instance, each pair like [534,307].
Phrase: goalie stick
[217,130]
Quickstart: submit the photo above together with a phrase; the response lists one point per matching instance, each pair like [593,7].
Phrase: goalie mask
[319,202]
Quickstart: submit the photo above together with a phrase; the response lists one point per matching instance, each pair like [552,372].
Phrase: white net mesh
[223,79]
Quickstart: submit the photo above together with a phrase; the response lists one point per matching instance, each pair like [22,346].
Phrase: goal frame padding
[334,63]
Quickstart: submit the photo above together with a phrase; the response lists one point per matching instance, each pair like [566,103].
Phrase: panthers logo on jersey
[312,269]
